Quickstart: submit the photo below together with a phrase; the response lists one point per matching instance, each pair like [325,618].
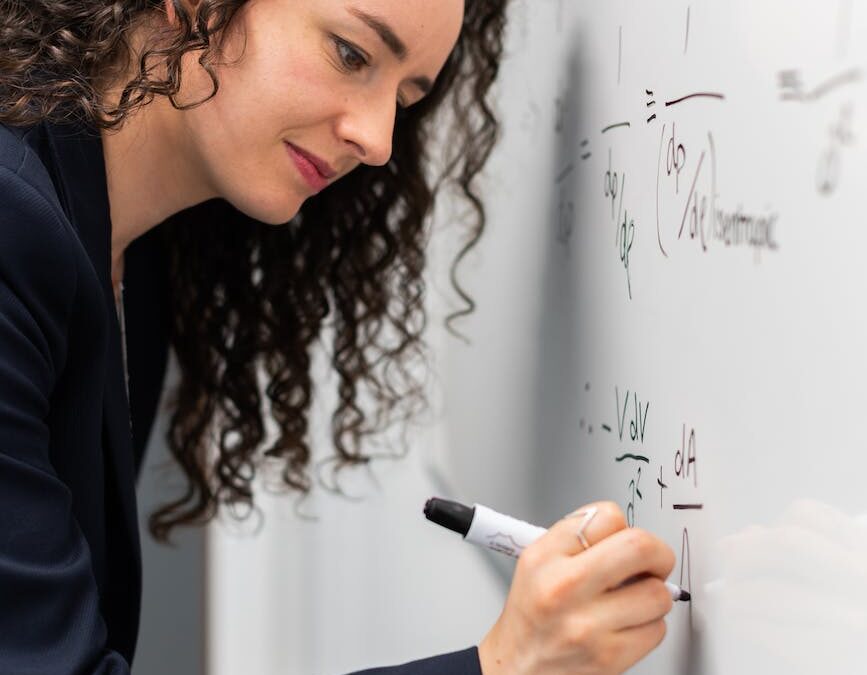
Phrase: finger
[637,642]
[595,521]
[625,554]
[635,604]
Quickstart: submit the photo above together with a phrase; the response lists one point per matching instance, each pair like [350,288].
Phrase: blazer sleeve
[50,619]
[464,662]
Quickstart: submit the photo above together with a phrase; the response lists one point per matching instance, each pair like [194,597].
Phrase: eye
[350,57]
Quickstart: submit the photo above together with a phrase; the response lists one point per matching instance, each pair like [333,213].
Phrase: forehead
[428,28]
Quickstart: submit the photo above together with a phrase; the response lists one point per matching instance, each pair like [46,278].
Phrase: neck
[152,171]
[150,175]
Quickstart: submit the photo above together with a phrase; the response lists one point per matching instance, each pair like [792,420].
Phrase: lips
[314,170]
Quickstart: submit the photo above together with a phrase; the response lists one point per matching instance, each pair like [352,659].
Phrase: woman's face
[313,95]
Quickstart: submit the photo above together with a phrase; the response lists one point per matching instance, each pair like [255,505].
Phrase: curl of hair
[249,300]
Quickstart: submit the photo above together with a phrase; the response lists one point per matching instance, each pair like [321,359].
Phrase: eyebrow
[392,41]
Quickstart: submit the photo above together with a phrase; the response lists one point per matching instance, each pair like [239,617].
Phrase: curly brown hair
[250,301]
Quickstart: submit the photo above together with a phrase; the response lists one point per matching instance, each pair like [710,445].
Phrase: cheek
[285,86]
[240,132]
[247,165]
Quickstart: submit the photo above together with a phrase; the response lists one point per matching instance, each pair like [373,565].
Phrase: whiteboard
[671,309]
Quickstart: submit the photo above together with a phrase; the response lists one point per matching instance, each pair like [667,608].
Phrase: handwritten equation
[660,462]
[681,202]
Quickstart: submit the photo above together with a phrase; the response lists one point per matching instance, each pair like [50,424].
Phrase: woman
[248,168]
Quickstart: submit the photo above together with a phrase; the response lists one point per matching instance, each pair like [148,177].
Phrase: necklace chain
[120,315]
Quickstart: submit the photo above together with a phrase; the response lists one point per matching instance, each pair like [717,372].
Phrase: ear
[170,9]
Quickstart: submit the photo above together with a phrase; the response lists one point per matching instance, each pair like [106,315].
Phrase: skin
[566,612]
[293,83]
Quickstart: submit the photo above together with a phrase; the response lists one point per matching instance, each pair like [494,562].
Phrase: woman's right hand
[567,612]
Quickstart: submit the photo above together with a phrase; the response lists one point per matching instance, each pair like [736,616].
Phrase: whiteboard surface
[671,310]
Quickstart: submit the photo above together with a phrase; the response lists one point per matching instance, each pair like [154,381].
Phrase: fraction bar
[616,126]
[702,94]
[629,455]
[687,507]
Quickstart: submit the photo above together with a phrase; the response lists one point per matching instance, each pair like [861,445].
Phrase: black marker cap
[452,515]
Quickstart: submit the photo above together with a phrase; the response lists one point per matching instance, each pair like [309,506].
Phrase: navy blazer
[70,441]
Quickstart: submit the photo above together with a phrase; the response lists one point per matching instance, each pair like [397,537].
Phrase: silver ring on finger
[586,515]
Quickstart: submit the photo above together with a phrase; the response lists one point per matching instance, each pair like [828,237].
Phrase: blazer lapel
[81,171]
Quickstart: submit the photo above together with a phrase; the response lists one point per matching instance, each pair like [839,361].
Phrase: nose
[368,125]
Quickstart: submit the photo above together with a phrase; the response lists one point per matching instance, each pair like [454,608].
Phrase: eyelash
[342,47]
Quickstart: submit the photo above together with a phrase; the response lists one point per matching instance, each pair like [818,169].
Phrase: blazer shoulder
[38,262]
[12,144]
[33,231]
[24,172]
[18,156]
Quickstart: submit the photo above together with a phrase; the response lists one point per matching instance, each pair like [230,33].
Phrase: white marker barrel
[501,533]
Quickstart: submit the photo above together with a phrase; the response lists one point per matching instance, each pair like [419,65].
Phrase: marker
[483,526]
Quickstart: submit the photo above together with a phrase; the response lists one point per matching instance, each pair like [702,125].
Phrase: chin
[272,208]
